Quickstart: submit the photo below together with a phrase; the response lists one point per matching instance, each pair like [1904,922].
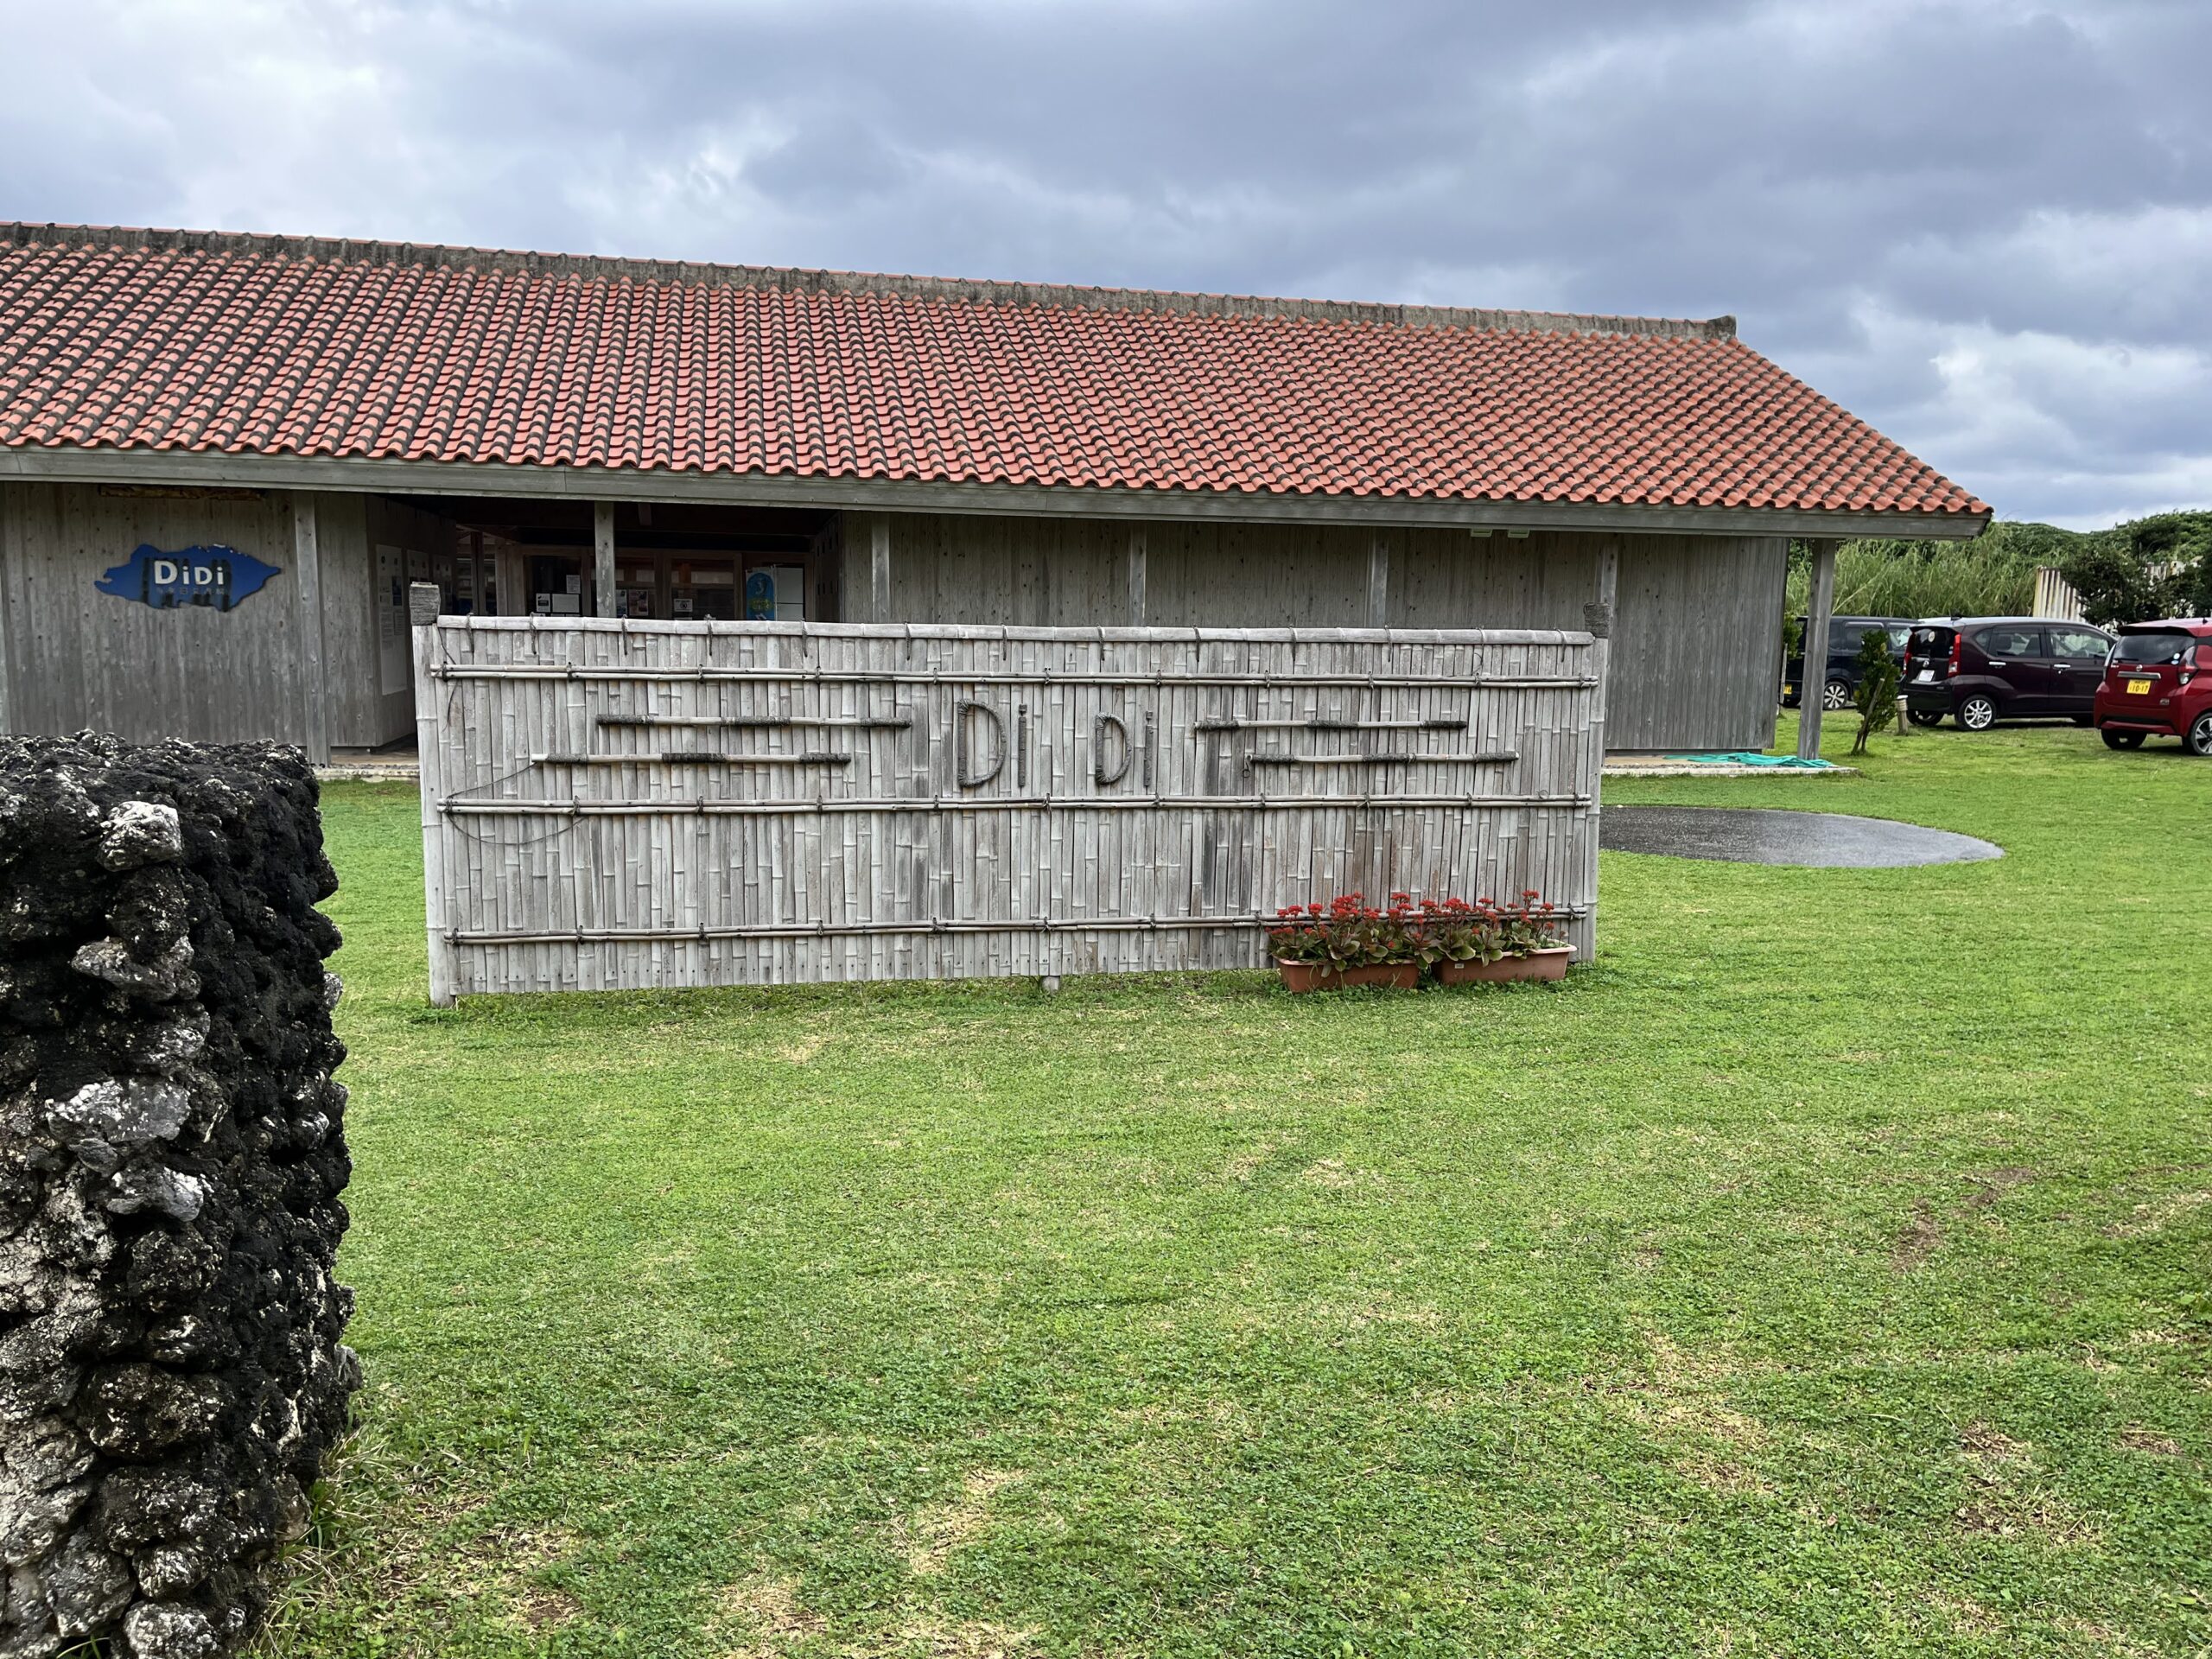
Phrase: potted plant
[1485,941]
[1347,941]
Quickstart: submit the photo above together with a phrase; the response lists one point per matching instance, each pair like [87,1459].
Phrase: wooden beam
[1813,676]
[9,563]
[602,548]
[1378,583]
[1137,556]
[878,568]
[443,957]
[1597,615]
[371,476]
[307,584]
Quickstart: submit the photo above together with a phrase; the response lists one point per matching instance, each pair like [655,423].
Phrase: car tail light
[1951,668]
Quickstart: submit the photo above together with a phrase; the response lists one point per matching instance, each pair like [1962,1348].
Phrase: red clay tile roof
[258,346]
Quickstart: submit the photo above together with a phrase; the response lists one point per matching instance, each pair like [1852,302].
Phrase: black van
[1845,634]
[1979,669]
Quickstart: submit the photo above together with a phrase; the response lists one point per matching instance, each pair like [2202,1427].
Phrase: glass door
[702,590]
[556,584]
[775,593]
[636,588]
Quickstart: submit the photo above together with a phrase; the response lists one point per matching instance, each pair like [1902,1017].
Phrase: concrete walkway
[372,765]
[1740,835]
[1673,765]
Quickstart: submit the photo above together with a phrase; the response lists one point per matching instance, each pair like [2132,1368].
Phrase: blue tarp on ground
[1745,758]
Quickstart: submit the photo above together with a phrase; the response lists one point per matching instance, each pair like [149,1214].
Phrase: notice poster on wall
[391,620]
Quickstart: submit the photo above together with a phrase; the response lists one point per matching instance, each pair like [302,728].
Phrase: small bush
[1877,694]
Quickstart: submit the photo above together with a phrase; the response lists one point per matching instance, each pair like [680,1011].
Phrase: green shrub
[1876,695]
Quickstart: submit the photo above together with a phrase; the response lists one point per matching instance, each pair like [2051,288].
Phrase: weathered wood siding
[78,658]
[1695,640]
[924,802]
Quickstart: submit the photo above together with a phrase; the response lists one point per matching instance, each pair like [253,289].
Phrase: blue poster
[760,596]
[216,577]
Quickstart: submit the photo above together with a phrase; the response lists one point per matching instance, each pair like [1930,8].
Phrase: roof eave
[73,464]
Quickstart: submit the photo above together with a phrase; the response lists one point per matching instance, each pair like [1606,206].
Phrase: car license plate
[1924,675]
[1789,691]
[2139,687]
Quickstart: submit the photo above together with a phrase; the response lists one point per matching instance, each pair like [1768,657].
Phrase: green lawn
[1824,1271]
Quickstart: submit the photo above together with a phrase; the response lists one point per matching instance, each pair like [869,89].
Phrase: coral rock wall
[171,1372]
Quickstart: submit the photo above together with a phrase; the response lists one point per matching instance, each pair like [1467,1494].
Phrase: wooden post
[1597,619]
[444,958]
[603,547]
[307,579]
[1812,677]
[1378,583]
[8,562]
[1136,577]
[879,567]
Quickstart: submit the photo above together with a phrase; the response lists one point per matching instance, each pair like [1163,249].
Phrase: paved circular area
[1742,836]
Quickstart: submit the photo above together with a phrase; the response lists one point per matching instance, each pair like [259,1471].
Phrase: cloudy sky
[1984,225]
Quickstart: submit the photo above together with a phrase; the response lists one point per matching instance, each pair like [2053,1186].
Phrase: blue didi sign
[215,577]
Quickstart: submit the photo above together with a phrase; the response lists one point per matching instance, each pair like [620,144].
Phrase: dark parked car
[2159,684]
[1845,634]
[1979,669]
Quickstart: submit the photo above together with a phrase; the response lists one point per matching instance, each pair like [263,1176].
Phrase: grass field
[1828,1270]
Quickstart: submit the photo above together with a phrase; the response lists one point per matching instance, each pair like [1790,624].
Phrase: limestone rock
[172,1151]
[139,832]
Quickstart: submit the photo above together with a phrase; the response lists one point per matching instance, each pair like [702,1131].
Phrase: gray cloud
[1984,225]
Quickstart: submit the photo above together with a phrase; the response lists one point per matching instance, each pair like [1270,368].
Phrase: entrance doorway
[676,562]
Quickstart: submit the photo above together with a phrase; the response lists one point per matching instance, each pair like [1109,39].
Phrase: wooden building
[223,459]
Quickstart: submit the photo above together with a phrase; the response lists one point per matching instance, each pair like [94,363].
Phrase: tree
[2154,567]
[1876,695]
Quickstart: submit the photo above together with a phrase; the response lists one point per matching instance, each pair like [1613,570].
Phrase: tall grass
[1994,574]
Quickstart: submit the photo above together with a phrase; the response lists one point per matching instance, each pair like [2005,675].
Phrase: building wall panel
[1697,645]
[1697,630]
[80,658]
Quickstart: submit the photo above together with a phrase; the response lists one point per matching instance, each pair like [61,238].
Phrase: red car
[2158,682]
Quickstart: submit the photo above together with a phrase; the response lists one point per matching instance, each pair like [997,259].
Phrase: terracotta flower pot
[1320,976]
[1550,962]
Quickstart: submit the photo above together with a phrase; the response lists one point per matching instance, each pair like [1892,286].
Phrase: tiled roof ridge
[785,279]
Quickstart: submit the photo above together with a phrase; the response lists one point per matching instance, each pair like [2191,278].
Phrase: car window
[2152,649]
[2010,642]
[1931,642]
[1845,638]
[1899,637]
[2079,645]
